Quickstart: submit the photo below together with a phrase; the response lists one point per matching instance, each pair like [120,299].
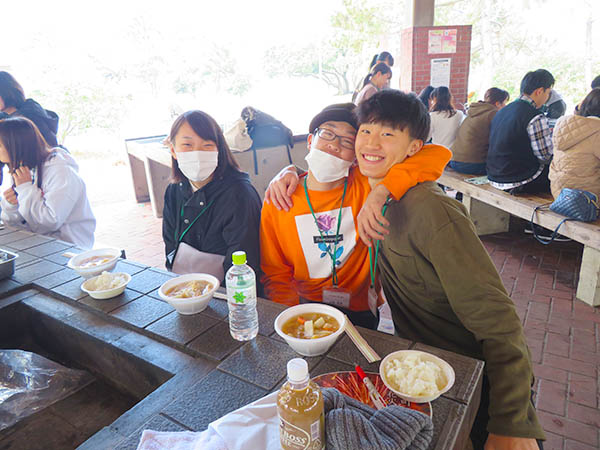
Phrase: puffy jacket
[576,162]
[473,137]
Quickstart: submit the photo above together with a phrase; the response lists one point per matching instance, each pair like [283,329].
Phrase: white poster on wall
[440,72]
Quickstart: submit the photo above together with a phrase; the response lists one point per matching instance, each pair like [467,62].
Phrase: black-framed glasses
[328,135]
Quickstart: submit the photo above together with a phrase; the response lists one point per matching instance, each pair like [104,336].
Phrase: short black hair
[596,82]
[386,56]
[540,78]
[396,109]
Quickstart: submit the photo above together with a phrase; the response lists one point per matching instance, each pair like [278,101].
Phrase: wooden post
[423,13]
[588,289]
[487,219]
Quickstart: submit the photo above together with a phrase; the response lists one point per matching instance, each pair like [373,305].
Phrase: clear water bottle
[241,298]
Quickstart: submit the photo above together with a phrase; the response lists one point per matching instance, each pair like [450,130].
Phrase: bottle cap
[297,370]
[238,258]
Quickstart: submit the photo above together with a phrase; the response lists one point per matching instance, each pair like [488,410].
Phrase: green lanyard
[332,255]
[193,221]
[373,267]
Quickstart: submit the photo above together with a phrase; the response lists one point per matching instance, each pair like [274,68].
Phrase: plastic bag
[30,383]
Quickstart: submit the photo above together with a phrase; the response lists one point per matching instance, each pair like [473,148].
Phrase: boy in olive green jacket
[439,280]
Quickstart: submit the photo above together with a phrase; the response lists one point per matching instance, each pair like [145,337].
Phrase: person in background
[311,246]
[440,282]
[520,147]
[48,196]
[576,138]
[384,57]
[376,80]
[425,96]
[470,148]
[211,210]
[445,118]
[14,103]
[596,82]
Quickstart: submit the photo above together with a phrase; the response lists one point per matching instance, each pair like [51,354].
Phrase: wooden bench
[490,210]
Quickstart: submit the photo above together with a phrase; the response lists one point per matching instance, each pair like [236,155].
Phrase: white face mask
[325,167]
[199,165]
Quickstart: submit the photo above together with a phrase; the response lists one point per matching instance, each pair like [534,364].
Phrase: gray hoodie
[60,208]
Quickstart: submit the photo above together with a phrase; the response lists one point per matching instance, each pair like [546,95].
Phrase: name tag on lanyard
[337,296]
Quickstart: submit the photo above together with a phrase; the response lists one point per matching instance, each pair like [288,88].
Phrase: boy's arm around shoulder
[427,164]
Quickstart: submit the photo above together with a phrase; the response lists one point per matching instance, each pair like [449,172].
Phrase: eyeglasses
[328,135]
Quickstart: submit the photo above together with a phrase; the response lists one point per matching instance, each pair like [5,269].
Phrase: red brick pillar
[421,45]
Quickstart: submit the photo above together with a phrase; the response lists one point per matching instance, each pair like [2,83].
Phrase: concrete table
[212,374]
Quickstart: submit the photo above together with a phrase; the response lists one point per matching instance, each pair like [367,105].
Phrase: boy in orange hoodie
[313,252]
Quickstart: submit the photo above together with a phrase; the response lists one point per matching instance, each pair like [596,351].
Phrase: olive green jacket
[444,291]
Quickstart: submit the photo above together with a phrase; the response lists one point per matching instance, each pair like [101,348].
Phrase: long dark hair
[11,91]
[425,94]
[590,106]
[442,101]
[25,145]
[382,57]
[208,129]
[379,67]
[495,95]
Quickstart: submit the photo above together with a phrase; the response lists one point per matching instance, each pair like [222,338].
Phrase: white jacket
[445,128]
[60,208]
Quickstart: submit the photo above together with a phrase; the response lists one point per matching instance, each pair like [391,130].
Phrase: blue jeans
[468,168]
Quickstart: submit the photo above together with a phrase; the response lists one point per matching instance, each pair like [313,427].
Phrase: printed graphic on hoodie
[316,248]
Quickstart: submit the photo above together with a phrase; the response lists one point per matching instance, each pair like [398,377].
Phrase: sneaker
[545,235]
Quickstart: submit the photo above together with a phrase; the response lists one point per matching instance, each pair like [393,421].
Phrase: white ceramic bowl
[446,369]
[108,293]
[75,261]
[310,347]
[190,305]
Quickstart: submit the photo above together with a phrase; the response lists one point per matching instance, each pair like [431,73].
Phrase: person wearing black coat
[14,103]
[210,204]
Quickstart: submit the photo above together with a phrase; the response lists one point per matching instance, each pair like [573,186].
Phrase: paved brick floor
[563,333]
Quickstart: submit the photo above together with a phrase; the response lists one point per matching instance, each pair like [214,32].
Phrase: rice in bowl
[106,281]
[414,376]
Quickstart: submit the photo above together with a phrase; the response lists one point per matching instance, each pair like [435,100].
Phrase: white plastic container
[191,305]
[310,347]
[108,293]
[401,354]
[75,262]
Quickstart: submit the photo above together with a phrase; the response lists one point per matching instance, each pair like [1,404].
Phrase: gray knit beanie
[350,424]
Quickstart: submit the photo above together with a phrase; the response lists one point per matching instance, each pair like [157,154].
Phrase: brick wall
[415,62]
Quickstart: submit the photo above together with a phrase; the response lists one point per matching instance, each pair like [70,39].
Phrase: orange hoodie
[294,259]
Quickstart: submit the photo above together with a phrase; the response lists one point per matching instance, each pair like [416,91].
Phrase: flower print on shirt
[318,237]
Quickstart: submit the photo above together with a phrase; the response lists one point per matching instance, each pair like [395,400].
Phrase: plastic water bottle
[241,298]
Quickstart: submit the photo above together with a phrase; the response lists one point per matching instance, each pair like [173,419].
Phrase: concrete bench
[490,210]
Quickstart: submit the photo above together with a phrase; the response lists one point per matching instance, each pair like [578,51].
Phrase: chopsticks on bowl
[360,342]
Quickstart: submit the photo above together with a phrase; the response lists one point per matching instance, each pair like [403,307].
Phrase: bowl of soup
[190,293]
[416,376]
[310,329]
[93,262]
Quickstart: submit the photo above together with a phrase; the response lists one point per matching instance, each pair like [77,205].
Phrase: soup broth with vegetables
[95,261]
[310,326]
[190,289]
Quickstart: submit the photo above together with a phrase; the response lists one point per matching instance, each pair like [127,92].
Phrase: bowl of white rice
[416,376]
[106,285]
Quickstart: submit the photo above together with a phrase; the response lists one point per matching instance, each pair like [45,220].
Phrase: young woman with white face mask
[211,209]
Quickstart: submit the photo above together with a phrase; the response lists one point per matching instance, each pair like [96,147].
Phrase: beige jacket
[576,162]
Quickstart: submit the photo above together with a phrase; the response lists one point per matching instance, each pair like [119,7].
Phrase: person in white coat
[48,196]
